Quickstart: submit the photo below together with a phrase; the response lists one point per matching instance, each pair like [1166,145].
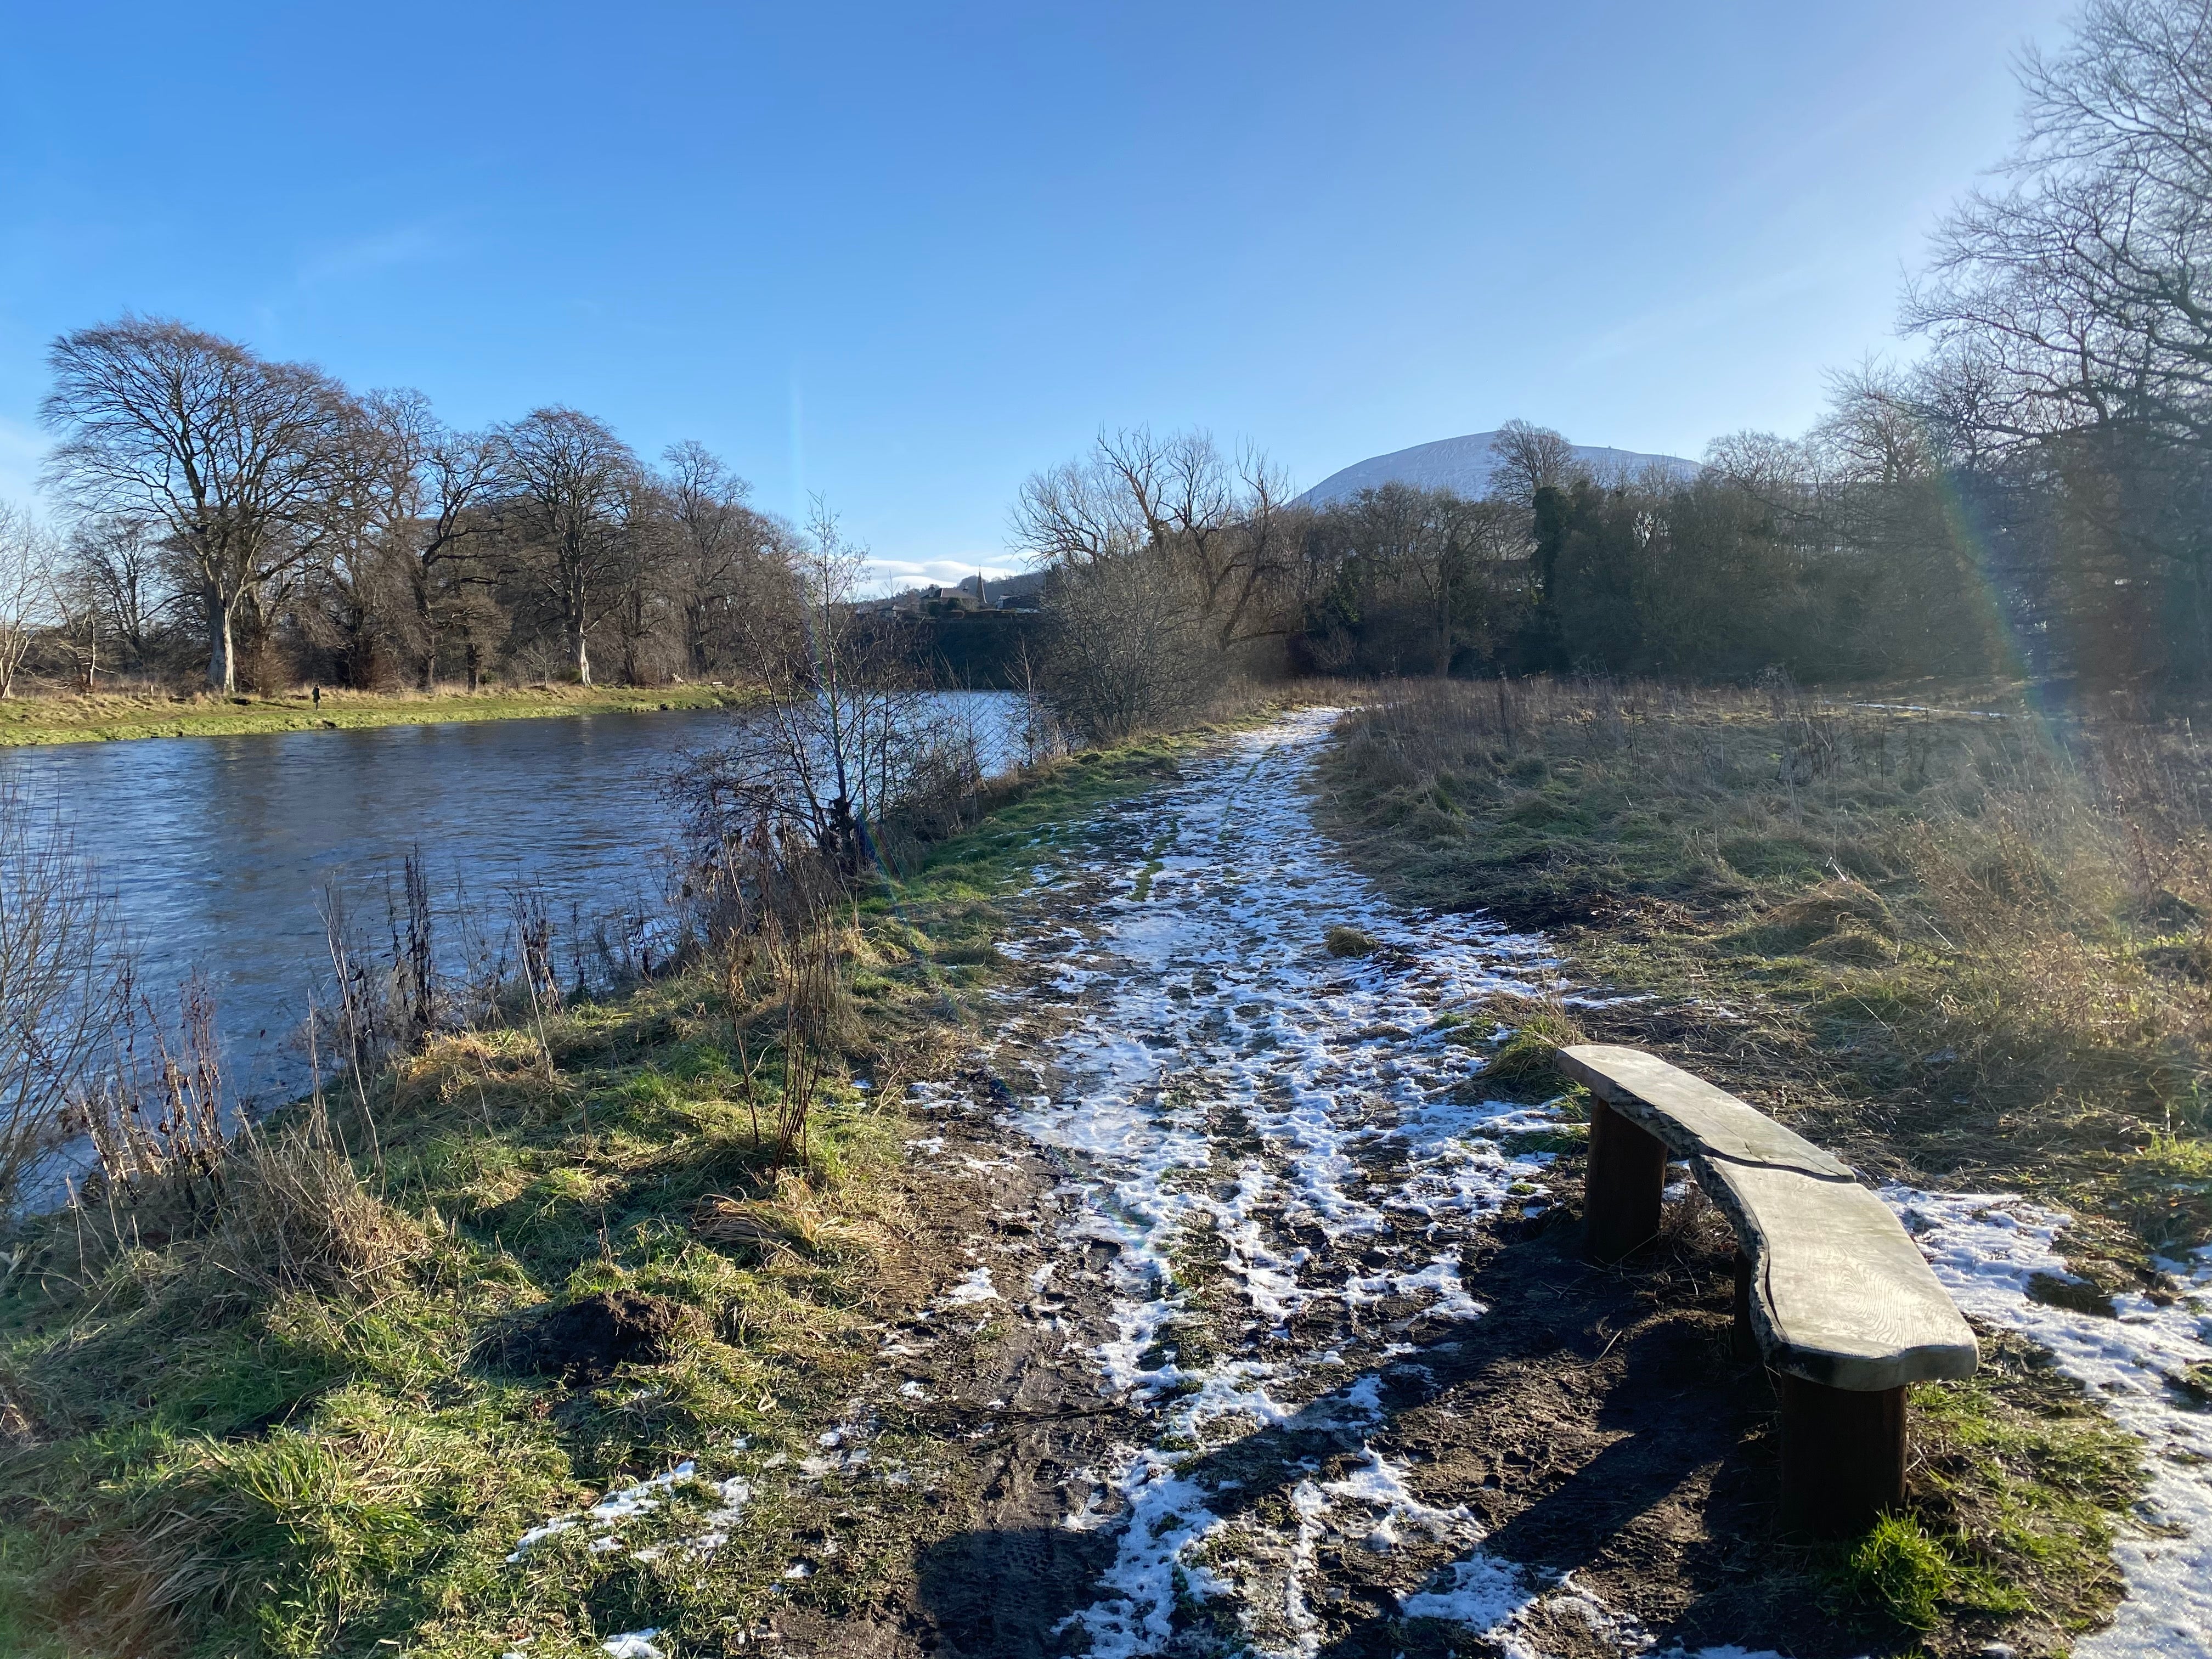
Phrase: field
[1959,940]
[1965,943]
[115,717]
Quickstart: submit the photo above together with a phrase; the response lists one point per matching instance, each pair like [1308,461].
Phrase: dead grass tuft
[1346,941]
[297,1216]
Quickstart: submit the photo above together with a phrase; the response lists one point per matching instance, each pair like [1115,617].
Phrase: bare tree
[116,568]
[1077,512]
[352,588]
[723,558]
[848,740]
[436,484]
[645,617]
[29,561]
[1416,576]
[1526,458]
[569,488]
[233,455]
[1177,499]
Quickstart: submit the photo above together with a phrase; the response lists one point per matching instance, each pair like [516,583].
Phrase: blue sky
[906,255]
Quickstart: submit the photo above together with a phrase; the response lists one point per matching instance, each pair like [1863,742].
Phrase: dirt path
[1270,1344]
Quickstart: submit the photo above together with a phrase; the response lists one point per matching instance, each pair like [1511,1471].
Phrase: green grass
[205,1456]
[2019,1488]
[111,718]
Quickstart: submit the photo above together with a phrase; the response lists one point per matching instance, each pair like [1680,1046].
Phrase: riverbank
[116,718]
[368,1386]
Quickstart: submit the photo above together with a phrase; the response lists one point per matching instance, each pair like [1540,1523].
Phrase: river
[219,850]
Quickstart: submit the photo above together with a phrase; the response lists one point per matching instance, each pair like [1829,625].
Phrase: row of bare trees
[2035,492]
[260,519]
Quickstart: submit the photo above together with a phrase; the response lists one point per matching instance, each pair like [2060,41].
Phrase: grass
[2017,1492]
[2017,1487]
[1962,950]
[1958,948]
[111,717]
[286,1420]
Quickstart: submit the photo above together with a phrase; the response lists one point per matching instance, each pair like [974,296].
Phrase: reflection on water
[219,849]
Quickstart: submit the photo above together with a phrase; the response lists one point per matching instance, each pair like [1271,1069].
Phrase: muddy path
[1261,1331]
[1254,1330]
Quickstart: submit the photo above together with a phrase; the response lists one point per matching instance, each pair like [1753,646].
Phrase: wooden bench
[1830,1289]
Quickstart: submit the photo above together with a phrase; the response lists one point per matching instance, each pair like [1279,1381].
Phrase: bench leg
[1621,1186]
[1842,1456]
[1743,1342]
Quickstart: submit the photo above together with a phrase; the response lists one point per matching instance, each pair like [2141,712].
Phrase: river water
[220,849]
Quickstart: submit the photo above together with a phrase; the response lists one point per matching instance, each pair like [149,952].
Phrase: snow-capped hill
[1463,465]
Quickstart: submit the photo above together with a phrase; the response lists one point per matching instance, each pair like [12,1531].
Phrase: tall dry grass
[1999,917]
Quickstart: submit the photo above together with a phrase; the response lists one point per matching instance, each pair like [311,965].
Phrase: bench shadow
[1005,1593]
[1675,1425]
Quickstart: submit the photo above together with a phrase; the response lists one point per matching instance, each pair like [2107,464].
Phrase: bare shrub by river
[63,980]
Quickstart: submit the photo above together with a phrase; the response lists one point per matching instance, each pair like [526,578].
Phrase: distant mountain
[1463,466]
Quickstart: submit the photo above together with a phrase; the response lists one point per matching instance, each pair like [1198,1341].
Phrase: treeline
[1838,557]
[261,523]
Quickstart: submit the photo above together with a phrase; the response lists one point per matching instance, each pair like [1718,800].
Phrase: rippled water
[220,849]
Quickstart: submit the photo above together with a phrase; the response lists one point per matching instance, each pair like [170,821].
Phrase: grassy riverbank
[310,1405]
[1962,947]
[116,717]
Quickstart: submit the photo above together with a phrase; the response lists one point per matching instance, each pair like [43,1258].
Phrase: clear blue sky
[905,255]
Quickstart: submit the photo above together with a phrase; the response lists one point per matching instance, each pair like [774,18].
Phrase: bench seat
[1840,1295]
[1831,1290]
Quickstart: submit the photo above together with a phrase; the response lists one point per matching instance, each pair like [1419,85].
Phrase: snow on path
[1263,1138]
[1220,1080]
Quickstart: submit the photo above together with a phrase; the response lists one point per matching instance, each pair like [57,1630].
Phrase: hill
[1463,465]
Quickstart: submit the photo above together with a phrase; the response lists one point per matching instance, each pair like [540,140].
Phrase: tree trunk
[222,657]
[695,638]
[426,667]
[580,650]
